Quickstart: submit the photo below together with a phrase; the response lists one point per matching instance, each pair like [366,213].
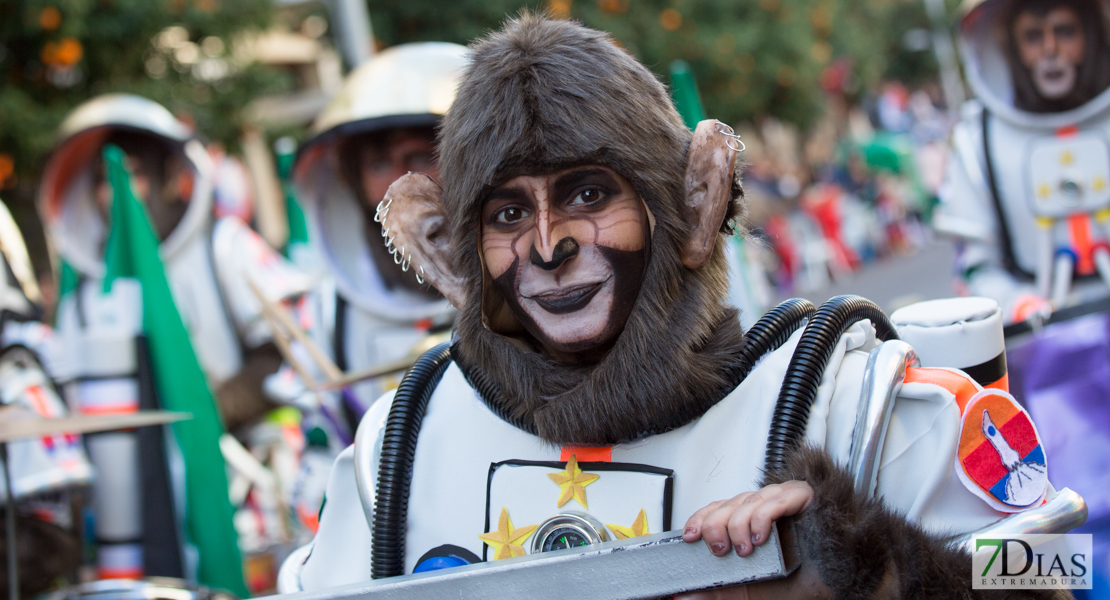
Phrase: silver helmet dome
[410,85]
[66,198]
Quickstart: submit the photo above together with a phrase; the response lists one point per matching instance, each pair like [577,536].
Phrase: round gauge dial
[563,538]
[568,530]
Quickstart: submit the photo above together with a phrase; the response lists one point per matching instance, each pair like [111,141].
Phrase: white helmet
[983,44]
[66,196]
[411,85]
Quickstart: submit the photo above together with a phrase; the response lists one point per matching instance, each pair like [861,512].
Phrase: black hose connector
[803,376]
[771,331]
[402,427]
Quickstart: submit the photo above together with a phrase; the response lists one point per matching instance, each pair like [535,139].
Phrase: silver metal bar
[13,561]
[1064,512]
[652,566]
[882,379]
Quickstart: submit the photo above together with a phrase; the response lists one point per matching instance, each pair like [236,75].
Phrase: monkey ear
[414,228]
[709,167]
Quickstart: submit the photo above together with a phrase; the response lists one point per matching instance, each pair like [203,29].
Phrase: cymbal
[18,423]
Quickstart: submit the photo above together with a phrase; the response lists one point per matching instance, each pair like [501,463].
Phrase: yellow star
[1043,190]
[506,541]
[1098,184]
[1067,158]
[639,527]
[573,482]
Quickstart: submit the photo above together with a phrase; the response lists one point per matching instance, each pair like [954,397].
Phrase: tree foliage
[750,57]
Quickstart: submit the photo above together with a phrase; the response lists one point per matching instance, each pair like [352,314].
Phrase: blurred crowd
[856,188]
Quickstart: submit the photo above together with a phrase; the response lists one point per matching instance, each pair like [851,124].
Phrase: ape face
[567,251]
[1051,47]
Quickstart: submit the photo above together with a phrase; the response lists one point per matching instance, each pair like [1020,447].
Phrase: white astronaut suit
[207,263]
[473,470]
[351,314]
[1027,193]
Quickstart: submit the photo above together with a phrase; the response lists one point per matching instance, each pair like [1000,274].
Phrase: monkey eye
[587,196]
[509,215]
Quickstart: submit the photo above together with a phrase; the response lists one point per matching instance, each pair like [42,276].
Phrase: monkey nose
[566,249]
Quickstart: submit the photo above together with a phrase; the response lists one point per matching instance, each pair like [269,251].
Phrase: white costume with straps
[206,266]
[352,315]
[1014,178]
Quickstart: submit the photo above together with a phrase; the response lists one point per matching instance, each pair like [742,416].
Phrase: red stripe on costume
[1069,131]
[123,408]
[983,465]
[587,453]
[1080,228]
[1019,432]
[119,573]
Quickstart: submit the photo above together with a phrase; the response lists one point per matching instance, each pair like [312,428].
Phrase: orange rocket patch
[1001,458]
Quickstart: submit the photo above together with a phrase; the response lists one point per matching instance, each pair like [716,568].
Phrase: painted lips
[561,302]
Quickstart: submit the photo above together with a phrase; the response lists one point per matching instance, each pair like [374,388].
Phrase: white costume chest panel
[1032,169]
[1069,175]
[614,495]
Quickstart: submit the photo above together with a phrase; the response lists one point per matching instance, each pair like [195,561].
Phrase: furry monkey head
[542,98]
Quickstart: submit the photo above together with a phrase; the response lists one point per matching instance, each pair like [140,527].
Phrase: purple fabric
[1062,376]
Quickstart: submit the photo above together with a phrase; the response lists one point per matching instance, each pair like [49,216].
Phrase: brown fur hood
[539,96]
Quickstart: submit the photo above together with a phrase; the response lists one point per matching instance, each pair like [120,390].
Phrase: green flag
[685,92]
[294,214]
[68,281]
[132,251]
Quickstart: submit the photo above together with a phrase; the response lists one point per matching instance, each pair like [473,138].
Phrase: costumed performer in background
[1027,185]
[368,310]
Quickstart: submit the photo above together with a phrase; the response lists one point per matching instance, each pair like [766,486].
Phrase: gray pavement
[897,281]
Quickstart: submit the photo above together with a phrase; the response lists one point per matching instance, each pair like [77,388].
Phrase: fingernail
[740,548]
[755,538]
[719,549]
[690,531]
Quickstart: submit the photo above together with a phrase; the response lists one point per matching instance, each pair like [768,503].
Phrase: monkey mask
[577,231]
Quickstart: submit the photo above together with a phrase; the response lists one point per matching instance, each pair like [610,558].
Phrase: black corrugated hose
[771,331]
[391,501]
[799,387]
